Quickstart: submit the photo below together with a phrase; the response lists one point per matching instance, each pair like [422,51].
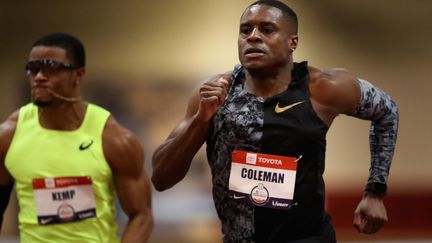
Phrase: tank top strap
[300,74]
[28,113]
[236,77]
[95,119]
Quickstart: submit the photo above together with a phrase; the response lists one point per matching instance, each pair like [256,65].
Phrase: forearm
[136,201]
[172,159]
[378,107]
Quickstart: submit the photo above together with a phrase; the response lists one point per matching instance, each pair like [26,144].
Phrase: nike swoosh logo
[279,109]
[238,197]
[85,145]
[45,221]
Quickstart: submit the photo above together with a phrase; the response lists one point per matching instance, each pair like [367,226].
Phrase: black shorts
[325,233]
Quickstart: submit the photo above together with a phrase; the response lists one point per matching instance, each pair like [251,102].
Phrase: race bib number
[263,179]
[63,199]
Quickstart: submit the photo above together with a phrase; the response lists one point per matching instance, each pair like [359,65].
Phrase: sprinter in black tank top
[271,105]
[259,128]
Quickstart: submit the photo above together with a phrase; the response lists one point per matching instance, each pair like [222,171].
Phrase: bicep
[338,90]
[125,156]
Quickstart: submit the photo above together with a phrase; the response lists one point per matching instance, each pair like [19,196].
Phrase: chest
[289,116]
[41,154]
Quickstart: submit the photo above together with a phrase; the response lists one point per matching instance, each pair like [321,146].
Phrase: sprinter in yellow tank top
[69,159]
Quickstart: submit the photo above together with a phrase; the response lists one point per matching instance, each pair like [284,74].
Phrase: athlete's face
[266,38]
[49,69]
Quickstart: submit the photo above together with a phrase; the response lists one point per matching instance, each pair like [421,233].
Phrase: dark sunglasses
[47,67]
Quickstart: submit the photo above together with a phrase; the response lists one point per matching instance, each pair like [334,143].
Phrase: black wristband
[377,188]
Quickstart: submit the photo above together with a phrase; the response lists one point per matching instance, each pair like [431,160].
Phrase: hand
[370,214]
[212,96]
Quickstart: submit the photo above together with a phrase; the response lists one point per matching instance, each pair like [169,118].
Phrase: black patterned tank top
[250,123]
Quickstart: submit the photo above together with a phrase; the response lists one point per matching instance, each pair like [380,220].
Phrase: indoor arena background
[144,58]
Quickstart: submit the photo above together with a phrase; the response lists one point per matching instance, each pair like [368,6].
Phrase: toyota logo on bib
[251,158]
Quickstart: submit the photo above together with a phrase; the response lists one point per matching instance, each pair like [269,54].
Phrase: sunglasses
[47,67]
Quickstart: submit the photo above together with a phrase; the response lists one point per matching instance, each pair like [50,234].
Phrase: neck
[267,83]
[65,116]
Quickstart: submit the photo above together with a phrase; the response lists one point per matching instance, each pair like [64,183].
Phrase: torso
[247,122]
[37,152]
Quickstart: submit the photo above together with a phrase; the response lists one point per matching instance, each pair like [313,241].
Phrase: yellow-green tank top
[37,152]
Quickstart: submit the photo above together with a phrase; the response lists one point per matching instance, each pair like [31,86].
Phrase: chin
[254,66]
[256,63]
[42,103]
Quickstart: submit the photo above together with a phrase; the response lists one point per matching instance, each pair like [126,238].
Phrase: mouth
[254,52]
[39,89]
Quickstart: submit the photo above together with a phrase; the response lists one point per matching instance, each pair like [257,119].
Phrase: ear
[79,75]
[293,42]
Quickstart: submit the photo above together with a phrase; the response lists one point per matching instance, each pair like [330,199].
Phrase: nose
[39,77]
[254,35]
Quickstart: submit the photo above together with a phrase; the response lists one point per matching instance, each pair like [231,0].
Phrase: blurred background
[145,57]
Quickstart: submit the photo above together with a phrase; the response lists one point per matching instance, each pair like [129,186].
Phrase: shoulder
[330,78]
[7,128]
[336,88]
[122,149]
[12,119]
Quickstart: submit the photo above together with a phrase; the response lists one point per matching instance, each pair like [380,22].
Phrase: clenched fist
[370,214]
[212,95]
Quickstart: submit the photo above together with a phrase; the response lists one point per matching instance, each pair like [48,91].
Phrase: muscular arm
[340,92]
[375,105]
[172,158]
[126,159]
[7,130]
[361,99]
[333,92]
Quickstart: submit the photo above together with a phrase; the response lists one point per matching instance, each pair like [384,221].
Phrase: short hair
[288,13]
[73,47]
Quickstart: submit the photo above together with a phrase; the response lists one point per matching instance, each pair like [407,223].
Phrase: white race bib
[63,199]
[263,179]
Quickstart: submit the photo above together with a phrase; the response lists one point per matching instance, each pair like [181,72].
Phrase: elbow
[157,178]
[158,183]
[162,179]
[166,175]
